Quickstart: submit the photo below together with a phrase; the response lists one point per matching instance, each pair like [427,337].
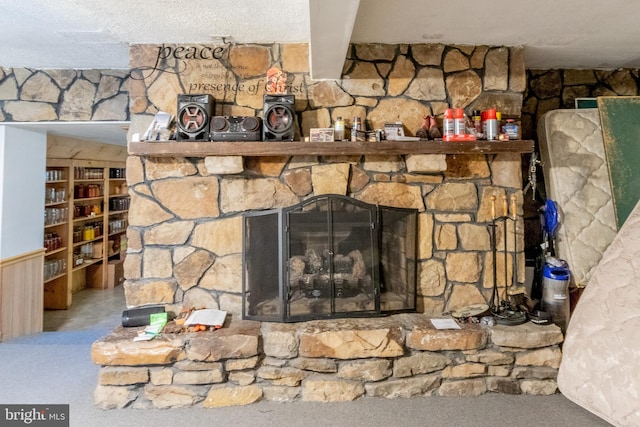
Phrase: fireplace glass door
[328,257]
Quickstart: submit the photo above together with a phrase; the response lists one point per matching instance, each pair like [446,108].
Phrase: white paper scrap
[445,324]
[207,316]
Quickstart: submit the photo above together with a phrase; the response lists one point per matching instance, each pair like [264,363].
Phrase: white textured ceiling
[96,33]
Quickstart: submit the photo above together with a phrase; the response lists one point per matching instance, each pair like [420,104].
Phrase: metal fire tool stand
[505,311]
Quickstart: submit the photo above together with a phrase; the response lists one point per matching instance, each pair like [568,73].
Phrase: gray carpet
[56,371]
[56,368]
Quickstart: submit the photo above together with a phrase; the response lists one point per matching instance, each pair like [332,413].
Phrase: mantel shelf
[297,148]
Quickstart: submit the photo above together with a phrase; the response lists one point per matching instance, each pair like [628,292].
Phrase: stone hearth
[324,361]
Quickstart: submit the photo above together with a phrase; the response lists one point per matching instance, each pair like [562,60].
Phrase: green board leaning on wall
[620,117]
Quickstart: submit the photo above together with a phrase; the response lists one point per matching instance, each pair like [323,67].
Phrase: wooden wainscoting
[21,295]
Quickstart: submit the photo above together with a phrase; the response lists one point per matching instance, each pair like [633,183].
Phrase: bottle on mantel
[459,122]
[339,129]
[491,125]
[355,128]
[448,127]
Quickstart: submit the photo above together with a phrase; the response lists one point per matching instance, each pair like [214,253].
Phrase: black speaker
[140,316]
[278,118]
[192,119]
[235,128]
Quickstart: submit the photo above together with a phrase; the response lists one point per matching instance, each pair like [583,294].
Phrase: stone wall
[185,218]
[380,83]
[324,361]
[553,89]
[29,95]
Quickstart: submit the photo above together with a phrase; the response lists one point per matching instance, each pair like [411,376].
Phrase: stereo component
[279,118]
[140,316]
[194,114]
[235,128]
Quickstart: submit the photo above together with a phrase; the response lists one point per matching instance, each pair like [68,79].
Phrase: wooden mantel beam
[296,148]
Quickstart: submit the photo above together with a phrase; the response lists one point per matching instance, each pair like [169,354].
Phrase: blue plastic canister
[555,294]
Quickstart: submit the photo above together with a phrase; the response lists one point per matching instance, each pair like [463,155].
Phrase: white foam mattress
[577,179]
[600,367]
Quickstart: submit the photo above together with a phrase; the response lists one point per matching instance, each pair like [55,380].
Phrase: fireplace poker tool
[503,309]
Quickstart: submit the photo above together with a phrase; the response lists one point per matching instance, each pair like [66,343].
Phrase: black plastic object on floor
[139,316]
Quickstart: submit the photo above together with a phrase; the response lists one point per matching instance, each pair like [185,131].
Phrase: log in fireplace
[330,256]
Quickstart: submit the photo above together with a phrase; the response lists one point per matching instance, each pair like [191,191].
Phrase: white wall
[22,184]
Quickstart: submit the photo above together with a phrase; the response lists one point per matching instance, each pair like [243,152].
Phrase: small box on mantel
[321,135]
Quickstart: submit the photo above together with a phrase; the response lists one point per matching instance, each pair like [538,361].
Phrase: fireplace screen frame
[351,276]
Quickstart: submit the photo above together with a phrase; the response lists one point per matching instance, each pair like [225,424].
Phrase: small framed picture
[321,135]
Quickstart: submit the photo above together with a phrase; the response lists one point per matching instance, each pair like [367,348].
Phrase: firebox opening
[328,257]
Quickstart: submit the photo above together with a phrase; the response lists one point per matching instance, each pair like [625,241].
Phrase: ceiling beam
[331,25]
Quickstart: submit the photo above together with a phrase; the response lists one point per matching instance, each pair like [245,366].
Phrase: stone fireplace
[185,234]
[330,256]
[189,203]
